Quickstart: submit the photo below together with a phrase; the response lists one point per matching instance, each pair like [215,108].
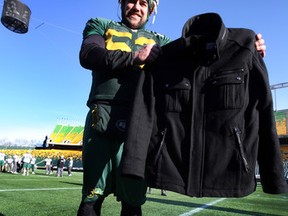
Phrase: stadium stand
[66,135]
[281,118]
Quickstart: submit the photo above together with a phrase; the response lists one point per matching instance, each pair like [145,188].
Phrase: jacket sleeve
[269,155]
[139,130]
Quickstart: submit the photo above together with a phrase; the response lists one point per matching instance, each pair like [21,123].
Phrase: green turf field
[41,195]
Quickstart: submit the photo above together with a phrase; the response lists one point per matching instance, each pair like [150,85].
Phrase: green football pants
[101,159]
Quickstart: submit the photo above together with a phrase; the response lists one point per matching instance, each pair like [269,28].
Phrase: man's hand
[147,54]
[260,46]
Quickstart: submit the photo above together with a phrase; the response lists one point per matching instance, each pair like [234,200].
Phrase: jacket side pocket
[237,132]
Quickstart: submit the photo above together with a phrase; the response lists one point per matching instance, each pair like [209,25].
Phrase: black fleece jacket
[202,120]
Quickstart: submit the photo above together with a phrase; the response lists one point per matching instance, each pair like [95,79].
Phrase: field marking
[201,208]
[38,189]
[24,178]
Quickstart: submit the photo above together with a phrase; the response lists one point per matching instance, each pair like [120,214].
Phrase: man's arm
[93,54]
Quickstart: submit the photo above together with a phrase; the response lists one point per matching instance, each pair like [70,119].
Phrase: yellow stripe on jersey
[117,45]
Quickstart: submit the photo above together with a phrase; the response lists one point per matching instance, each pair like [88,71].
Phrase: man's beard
[128,23]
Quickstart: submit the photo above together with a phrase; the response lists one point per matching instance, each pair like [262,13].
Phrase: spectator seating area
[66,135]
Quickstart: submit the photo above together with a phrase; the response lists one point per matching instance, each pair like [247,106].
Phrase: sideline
[201,208]
[39,189]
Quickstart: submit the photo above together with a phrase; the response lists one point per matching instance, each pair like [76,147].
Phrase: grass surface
[42,195]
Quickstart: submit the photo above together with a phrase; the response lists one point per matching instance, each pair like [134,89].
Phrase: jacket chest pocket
[225,90]
[177,95]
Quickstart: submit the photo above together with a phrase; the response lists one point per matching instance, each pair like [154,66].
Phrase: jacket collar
[211,28]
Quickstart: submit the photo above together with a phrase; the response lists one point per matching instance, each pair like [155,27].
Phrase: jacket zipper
[238,136]
[161,143]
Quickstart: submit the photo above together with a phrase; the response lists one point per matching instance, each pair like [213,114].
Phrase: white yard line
[38,189]
[201,208]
